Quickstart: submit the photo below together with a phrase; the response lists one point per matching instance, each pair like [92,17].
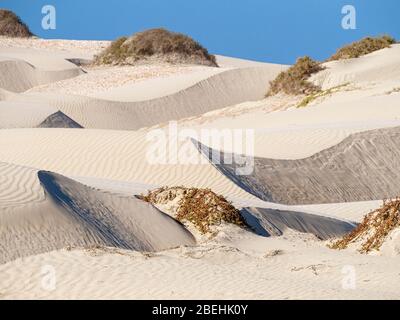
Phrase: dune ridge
[365,166]
[19,76]
[74,215]
[219,90]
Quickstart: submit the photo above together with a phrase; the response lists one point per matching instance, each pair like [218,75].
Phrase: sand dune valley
[86,214]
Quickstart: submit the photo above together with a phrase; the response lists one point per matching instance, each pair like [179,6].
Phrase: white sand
[236,266]
[109,167]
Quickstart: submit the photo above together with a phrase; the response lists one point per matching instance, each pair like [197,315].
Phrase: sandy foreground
[71,226]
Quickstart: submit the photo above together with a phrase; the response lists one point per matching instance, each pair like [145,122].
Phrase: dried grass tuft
[158,45]
[202,207]
[12,26]
[374,229]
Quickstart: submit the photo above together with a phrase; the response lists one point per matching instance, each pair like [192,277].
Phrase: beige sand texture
[237,265]
[107,154]
[67,195]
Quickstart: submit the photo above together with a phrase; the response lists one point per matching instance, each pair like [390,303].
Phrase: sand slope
[381,65]
[270,222]
[19,75]
[217,91]
[71,214]
[365,166]
[106,154]
[85,223]
[32,115]
[239,266]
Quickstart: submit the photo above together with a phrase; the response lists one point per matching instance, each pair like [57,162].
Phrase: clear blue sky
[266,30]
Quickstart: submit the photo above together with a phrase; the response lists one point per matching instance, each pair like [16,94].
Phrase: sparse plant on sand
[363,47]
[157,45]
[294,81]
[310,98]
[201,207]
[372,232]
[394,90]
[12,26]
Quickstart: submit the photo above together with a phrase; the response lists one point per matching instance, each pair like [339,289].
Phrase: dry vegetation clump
[394,90]
[12,26]
[294,81]
[363,47]
[374,229]
[201,207]
[320,94]
[156,45]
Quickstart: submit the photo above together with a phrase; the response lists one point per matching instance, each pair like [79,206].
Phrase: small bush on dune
[363,47]
[159,44]
[202,207]
[12,26]
[294,81]
[372,232]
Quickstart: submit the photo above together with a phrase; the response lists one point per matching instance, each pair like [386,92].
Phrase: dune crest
[74,215]
[365,166]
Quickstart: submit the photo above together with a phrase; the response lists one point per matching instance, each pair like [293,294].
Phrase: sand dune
[106,154]
[32,115]
[220,90]
[59,120]
[382,65]
[363,167]
[68,213]
[67,196]
[45,211]
[19,75]
[270,222]
[134,105]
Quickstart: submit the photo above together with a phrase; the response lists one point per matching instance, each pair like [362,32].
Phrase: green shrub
[12,26]
[363,47]
[294,80]
[160,44]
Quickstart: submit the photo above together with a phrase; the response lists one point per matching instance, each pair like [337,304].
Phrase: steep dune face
[270,222]
[365,166]
[107,154]
[119,221]
[68,213]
